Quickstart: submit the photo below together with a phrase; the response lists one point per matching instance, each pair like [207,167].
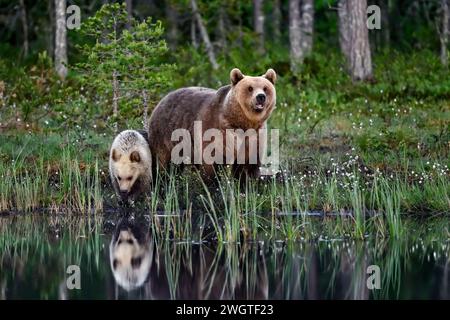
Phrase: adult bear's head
[255,95]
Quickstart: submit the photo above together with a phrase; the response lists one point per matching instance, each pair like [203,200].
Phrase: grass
[69,186]
[363,156]
[360,201]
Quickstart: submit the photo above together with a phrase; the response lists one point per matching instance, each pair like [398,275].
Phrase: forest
[363,119]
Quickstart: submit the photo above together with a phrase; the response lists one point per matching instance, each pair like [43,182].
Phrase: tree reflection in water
[120,259]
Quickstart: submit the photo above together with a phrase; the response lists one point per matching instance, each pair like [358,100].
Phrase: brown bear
[244,105]
[130,165]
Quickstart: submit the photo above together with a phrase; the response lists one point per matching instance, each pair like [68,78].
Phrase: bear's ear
[135,157]
[115,155]
[236,76]
[271,76]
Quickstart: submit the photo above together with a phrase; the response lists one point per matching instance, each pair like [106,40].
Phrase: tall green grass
[348,204]
[69,185]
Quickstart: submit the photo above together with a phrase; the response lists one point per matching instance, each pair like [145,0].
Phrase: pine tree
[125,61]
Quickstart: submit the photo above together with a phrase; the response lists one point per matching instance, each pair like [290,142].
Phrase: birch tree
[60,39]
[307,26]
[294,34]
[301,29]
[276,21]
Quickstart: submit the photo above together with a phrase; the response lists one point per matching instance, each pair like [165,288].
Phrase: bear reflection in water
[143,269]
[130,255]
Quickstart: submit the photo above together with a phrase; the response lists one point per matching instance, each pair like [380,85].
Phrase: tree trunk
[381,37]
[60,39]
[307,26]
[204,34]
[51,30]
[145,102]
[129,5]
[294,35]
[194,40]
[385,22]
[313,274]
[221,30]
[301,29]
[23,19]
[276,21]
[444,290]
[172,19]
[360,56]
[115,101]
[344,31]
[395,23]
[444,33]
[239,25]
[258,22]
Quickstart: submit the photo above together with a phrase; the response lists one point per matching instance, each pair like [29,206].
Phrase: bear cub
[130,164]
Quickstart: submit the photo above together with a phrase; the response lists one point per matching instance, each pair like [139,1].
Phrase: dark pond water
[49,257]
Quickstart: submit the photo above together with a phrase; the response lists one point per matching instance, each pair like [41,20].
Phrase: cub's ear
[271,76]
[236,76]
[135,156]
[115,155]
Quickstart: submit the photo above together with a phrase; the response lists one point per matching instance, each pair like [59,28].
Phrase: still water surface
[119,259]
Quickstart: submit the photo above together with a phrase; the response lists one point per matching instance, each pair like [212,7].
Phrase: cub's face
[126,170]
[130,260]
[256,95]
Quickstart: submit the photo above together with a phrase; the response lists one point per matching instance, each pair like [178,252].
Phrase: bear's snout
[260,98]
[124,194]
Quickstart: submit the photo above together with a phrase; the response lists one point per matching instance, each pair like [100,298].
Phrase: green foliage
[129,52]
[30,89]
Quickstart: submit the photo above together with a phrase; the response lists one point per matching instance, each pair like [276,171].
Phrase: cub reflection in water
[130,255]
[168,270]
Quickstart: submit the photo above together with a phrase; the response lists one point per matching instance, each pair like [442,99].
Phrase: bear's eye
[119,178]
[250,89]
[265,89]
[129,178]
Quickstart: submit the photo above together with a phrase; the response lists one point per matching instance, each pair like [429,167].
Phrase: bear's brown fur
[245,104]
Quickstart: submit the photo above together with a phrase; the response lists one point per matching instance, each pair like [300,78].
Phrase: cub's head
[126,169]
[255,95]
[130,256]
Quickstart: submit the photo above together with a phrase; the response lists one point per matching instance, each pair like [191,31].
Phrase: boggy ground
[356,166]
